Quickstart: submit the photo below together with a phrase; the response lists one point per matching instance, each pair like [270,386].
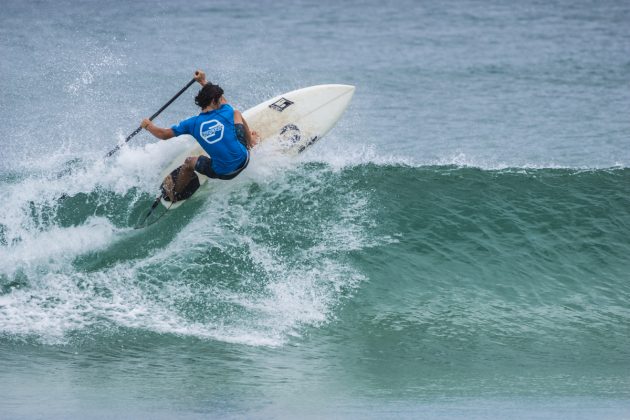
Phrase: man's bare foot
[169,187]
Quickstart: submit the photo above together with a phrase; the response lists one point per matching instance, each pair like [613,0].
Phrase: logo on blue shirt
[211,131]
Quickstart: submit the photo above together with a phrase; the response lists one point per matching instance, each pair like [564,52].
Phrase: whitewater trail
[47,295]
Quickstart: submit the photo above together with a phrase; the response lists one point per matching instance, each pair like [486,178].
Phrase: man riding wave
[219,129]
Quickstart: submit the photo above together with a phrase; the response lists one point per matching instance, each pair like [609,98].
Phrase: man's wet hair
[208,94]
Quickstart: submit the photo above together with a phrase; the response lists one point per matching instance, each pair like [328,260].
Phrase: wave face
[512,267]
[471,254]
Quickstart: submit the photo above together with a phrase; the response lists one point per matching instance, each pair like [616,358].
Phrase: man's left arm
[250,136]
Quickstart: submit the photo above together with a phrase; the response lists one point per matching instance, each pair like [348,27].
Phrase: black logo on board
[281,104]
[290,134]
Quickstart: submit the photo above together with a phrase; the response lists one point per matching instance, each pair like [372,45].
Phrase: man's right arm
[159,132]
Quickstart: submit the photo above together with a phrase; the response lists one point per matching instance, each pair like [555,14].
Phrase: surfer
[219,129]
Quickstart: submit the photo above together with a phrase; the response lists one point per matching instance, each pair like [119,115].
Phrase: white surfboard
[297,119]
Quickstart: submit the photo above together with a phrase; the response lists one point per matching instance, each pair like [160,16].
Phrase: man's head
[208,94]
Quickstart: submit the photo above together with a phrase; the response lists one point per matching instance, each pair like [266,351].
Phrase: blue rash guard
[216,134]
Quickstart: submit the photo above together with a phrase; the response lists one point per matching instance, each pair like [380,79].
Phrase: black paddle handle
[158,112]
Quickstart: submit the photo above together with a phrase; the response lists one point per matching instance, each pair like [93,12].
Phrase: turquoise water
[457,247]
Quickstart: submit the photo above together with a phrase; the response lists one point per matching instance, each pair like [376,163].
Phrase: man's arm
[159,132]
[250,136]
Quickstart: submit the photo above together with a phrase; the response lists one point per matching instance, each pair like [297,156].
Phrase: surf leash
[158,112]
[141,225]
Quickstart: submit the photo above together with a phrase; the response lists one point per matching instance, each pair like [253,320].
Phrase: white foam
[341,156]
[136,168]
[293,294]
[54,248]
[285,296]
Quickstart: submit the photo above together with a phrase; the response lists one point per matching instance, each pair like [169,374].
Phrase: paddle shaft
[158,112]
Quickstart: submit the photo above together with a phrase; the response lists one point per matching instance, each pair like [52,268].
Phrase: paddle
[159,111]
[139,129]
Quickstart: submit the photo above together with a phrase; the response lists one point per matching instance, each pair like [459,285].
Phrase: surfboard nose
[347,89]
[344,94]
[341,94]
[350,89]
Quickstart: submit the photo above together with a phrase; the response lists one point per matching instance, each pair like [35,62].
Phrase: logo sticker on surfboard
[281,104]
[290,135]
[211,131]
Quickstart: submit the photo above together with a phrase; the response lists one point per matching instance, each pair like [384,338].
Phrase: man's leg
[183,178]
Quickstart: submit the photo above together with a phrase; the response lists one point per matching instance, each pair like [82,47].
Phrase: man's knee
[190,163]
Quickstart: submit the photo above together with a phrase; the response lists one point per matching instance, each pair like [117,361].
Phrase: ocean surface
[458,247]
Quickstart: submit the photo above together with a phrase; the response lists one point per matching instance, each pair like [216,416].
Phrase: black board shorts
[204,166]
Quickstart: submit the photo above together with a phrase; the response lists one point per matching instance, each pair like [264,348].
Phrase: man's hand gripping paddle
[159,111]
